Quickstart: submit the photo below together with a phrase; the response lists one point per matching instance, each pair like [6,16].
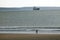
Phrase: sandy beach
[29,36]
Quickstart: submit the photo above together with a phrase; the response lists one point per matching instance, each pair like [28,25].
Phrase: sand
[29,36]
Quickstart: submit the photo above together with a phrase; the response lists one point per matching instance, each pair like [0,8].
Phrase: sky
[29,3]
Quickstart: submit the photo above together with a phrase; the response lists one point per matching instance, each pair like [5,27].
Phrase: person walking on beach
[36,31]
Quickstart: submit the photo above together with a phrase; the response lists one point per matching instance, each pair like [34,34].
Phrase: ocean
[27,19]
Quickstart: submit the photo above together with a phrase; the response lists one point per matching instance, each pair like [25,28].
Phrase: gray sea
[25,22]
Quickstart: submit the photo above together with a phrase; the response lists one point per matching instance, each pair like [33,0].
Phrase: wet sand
[29,36]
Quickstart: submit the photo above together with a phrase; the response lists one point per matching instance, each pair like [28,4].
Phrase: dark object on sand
[36,8]
[36,31]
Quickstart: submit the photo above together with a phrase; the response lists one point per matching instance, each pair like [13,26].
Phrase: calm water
[30,19]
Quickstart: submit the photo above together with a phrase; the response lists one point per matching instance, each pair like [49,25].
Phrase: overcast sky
[29,3]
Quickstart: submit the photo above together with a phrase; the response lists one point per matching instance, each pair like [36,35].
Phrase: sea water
[47,18]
